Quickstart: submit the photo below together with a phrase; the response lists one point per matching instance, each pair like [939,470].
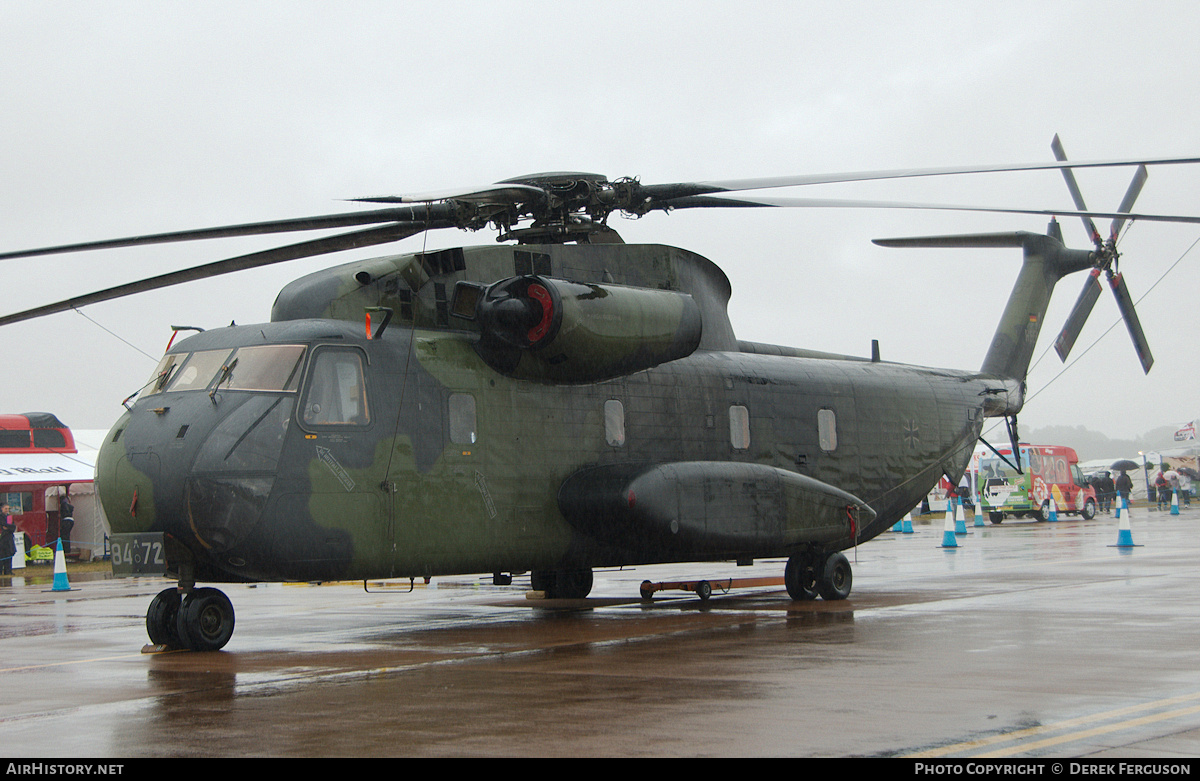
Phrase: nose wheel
[201,620]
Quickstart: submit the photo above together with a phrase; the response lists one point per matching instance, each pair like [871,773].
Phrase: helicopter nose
[222,511]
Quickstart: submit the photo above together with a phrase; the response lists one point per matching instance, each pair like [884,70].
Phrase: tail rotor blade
[1135,187]
[1125,304]
[1061,155]
[1079,315]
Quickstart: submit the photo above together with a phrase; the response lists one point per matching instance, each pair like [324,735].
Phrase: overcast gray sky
[122,118]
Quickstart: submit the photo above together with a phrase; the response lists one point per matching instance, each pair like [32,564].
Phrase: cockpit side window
[337,390]
[163,374]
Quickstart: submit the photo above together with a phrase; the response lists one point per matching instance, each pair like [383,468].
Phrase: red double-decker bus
[38,465]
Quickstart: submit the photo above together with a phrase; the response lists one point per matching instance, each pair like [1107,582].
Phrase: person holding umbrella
[1124,483]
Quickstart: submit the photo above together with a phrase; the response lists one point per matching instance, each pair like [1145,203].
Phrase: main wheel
[836,578]
[1089,509]
[162,616]
[562,584]
[205,620]
[800,578]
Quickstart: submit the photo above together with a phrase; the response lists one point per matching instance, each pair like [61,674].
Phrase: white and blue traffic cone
[906,524]
[1053,511]
[960,518]
[18,561]
[1117,501]
[1124,534]
[60,570]
[1174,502]
[948,540]
[979,511]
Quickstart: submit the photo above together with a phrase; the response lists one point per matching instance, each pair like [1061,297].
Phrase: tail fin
[1046,262]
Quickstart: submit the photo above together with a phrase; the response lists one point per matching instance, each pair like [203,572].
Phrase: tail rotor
[1106,257]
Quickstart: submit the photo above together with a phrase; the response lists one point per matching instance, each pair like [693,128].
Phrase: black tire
[646,591]
[1089,510]
[205,620]
[562,584]
[996,517]
[162,617]
[1043,513]
[800,579]
[542,580]
[704,590]
[836,578]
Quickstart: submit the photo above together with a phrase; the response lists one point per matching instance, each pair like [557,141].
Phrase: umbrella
[1192,473]
[1124,465]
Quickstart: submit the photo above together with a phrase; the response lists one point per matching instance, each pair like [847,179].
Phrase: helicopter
[553,404]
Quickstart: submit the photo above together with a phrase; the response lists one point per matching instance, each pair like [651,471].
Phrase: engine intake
[551,330]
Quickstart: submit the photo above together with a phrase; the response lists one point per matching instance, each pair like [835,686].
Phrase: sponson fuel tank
[709,506]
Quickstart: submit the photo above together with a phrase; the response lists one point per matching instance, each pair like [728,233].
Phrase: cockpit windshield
[274,367]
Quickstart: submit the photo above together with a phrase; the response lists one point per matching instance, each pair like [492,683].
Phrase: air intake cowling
[551,330]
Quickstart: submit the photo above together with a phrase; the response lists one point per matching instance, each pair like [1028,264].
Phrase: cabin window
[827,430]
[739,427]
[462,419]
[48,437]
[614,423]
[337,390]
[14,438]
[19,502]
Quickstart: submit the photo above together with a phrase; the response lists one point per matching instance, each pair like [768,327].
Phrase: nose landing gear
[200,620]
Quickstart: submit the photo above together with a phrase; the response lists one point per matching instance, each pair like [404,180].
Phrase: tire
[1089,510]
[162,617]
[542,580]
[996,517]
[836,578]
[562,584]
[1043,514]
[205,620]
[800,579]
[646,591]
[704,590]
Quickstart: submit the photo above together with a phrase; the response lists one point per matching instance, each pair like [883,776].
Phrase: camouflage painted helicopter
[551,405]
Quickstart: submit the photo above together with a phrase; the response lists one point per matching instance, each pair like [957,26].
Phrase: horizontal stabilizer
[1008,239]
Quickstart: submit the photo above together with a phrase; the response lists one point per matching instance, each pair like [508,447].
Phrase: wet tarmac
[1027,640]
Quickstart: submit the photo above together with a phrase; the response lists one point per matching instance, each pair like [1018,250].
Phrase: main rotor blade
[1135,188]
[406,214]
[497,194]
[1076,194]
[712,201]
[344,241]
[729,185]
[1079,315]
[1125,304]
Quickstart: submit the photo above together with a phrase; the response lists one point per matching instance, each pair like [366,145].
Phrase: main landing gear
[199,620]
[809,575]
